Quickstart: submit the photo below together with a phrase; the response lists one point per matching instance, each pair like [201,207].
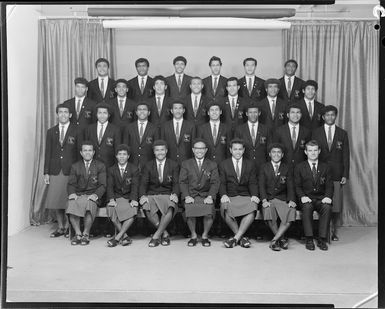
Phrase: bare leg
[232,223]
[164,221]
[75,221]
[283,227]
[245,223]
[191,222]
[87,223]
[273,226]
[124,228]
[60,217]
[335,221]
[207,223]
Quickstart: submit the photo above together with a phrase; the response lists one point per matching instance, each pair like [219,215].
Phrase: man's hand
[188,200]
[343,180]
[292,204]
[326,200]
[255,199]
[143,200]
[46,179]
[134,203]
[208,200]
[225,199]
[305,199]
[112,203]
[73,196]
[174,198]
[93,197]
[265,204]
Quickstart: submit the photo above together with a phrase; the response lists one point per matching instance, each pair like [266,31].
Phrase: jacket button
[140,147]
[314,189]
[61,157]
[138,155]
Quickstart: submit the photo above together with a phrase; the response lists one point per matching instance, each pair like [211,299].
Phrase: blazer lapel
[106,132]
[136,131]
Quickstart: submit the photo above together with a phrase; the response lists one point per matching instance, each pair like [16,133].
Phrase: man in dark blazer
[159,191]
[179,82]
[233,105]
[101,89]
[159,103]
[215,84]
[239,193]
[276,189]
[199,185]
[314,189]
[82,108]
[61,149]
[122,108]
[311,109]
[141,86]
[273,109]
[293,136]
[86,186]
[195,103]
[122,195]
[140,136]
[334,144]
[291,85]
[251,86]
[178,134]
[255,135]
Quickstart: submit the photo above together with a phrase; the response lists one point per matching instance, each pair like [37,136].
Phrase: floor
[51,270]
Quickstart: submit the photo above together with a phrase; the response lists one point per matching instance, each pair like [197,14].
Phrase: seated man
[86,185]
[199,184]
[276,188]
[239,191]
[159,191]
[314,188]
[122,194]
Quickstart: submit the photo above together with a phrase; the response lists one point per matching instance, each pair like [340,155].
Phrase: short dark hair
[123,147]
[329,108]
[140,60]
[199,140]
[312,142]
[251,104]
[276,145]
[179,58]
[195,77]
[160,77]
[177,101]
[231,79]
[121,80]
[81,80]
[102,60]
[142,103]
[310,82]
[62,105]
[214,103]
[250,59]
[237,141]
[293,105]
[272,81]
[159,142]
[102,105]
[215,58]
[293,61]
[87,143]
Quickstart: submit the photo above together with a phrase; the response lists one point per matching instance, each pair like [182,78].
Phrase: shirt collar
[124,166]
[159,95]
[287,77]
[144,122]
[104,124]
[250,123]
[105,78]
[235,161]
[271,98]
[274,164]
[89,162]
[79,98]
[292,125]
[311,163]
[163,162]
[140,77]
[65,125]
[175,121]
[327,126]
[307,101]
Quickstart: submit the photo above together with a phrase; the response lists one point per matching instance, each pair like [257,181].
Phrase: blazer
[239,113]
[181,150]
[141,151]
[230,186]
[292,156]
[172,86]
[126,187]
[127,116]
[201,116]
[105,151]
[296,90]
[219,150]
[165,114]
[258,152]
[87,113]
[279,116]
[338,157]
[134,89]
[280,186]
[208,90]
[306,185]
[95,94]
[258,92]
[61,157]
[314,122]
[94,182]
[194,183]
[150,184]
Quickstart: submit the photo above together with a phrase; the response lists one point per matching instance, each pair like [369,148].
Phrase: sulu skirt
[279,209]
[57,196]
[337,197]
[122,211]
[81,205]
[198,208]
[238,206]
[160,202]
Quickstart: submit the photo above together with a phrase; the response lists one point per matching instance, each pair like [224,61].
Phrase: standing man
[251,86]
[122,195]
[101,88]
[334,144]
[141,86]
[314,189]
[179,82]
[196,109]
[276,187]
[61,150]
[239,193]
[86,186]
[199,184]
[215,84]
[291,85]
[159,190]
[312,109]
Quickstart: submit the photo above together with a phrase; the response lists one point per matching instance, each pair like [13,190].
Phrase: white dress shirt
[231,100]
[193,98]
[252,81]
[274,164]
[65,128]
[161,96]
[105,82]
[239,164]
[270,99]
[213,80]
[250,124]
[311,164]
[312,105]
[162,166]
[180,124]
[99,125]
[291,126]
[287,81]
[326,127]
[140,80]
[177,77]
[144,125]
[212,126]
[81,102]
[123,101]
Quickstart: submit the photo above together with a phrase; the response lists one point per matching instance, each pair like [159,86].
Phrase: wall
[161,46]
[22,35]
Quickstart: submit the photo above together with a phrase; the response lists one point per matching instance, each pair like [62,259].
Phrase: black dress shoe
[274,245]
[335,237]
[322,245]
[310,245]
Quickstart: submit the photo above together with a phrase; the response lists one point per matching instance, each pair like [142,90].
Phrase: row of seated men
[63,140]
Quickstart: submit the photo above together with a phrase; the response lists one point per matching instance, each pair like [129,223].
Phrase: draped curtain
[343,57]
[67,49]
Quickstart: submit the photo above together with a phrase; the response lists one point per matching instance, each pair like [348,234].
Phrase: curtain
[67,49]
[343,57]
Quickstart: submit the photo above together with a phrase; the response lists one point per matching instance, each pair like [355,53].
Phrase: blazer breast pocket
[109,141]
[187,138]
[339,145]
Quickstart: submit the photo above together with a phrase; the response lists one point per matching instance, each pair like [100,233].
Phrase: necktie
[177,132]
[215,133]
[200,165]
[179,81]
[61,139]
[272,108]
[249,87]
[78,107]
[195,105]
[142,85]
[141,132]
[158,104]
[121,172]
[310,110]
[121,107]
[233,106]
[215,84]
[330,141]
[237,171]
[253,133]
[314,171]
[102,87]
[100,134]
[294,137]
[276,170]
[289,87]
[87,168]
[160,172]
